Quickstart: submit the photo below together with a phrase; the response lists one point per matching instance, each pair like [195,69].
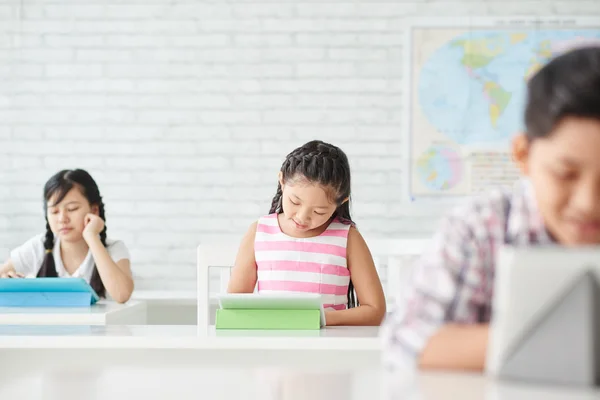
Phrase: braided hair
[58,186]
[327,165]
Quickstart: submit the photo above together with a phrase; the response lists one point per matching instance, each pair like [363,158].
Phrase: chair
[393,260]
[220,256]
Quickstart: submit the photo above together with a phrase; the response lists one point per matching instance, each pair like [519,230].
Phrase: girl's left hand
[93,225]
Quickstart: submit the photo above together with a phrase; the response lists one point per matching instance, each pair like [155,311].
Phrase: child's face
[67,218]
[306,206]
[564,169]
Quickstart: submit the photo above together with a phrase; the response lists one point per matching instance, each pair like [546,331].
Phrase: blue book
[46,292]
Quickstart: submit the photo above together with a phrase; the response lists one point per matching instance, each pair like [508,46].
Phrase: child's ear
[95,209]
[345,200]
[520,152]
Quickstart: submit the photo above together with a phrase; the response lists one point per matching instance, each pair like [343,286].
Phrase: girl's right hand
[11,274]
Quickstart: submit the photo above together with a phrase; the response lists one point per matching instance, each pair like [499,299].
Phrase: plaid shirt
[453,279]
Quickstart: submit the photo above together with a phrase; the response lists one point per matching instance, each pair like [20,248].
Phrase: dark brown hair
[569,85]
[58,186]
[327,165]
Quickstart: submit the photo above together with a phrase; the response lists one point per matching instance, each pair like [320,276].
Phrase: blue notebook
[46,292]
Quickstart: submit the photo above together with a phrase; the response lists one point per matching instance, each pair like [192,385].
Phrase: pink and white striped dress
[303,265]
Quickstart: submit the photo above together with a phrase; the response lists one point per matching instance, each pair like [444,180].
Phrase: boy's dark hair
[327,165]
[59,185]
[569,85]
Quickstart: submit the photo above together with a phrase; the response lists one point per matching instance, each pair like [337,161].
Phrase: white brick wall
[183,111]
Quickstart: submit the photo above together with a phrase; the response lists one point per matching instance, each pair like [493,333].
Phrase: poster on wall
[465,96]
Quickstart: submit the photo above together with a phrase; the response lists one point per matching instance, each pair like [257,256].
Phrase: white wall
[184,110]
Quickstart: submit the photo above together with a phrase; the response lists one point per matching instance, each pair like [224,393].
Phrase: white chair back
[393,260]
[220,258]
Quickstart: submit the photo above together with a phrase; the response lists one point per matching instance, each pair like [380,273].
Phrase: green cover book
[281,319]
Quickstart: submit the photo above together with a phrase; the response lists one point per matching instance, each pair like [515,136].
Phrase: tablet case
[46,292]
[561,346]
[280,312]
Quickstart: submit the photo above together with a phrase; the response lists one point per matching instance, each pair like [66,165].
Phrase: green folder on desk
[259,311]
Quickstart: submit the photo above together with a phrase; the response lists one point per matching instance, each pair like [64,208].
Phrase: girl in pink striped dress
[308,242]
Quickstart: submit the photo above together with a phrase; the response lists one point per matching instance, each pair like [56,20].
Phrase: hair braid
[96,281]
[48,269]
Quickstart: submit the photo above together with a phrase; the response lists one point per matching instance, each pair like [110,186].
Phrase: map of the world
[467,99]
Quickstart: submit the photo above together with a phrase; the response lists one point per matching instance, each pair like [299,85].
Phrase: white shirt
[27,258]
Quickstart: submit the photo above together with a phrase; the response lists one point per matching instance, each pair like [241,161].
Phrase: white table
[102,313]
[157,362]
[465,386]
[112,362]
[143,345]
[169,307]
[190,383]
[174,307]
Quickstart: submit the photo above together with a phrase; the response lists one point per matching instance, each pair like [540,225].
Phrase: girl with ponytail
[75,243]
[308,242]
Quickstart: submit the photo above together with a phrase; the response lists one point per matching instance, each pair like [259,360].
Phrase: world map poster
[466,93]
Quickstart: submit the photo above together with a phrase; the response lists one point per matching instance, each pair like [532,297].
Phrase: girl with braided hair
[75,243]
[309,243]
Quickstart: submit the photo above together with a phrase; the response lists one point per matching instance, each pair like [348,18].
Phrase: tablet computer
[291,301]
[546,315]
[46,292]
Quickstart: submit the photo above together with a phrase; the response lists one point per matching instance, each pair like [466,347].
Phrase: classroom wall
[184,110]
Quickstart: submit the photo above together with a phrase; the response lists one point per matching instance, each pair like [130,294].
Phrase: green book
[270,311]
[268,319]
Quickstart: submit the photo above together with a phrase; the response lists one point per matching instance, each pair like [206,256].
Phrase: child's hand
[12,274]
[93,226]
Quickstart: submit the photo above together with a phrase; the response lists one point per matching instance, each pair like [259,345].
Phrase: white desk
[102,313]
[190,383]
[157,362]
[143,345]
[169,307]
[175,297]
[434,386]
